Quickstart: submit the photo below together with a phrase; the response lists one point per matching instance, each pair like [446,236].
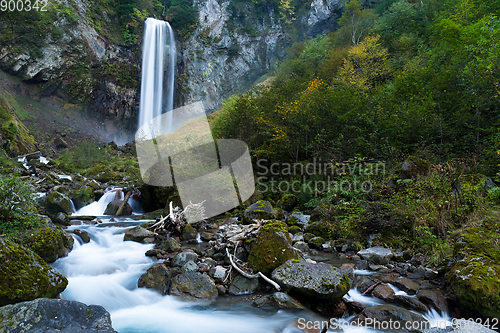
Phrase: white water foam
[97,208]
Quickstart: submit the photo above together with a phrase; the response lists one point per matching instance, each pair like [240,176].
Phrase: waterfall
[157,89]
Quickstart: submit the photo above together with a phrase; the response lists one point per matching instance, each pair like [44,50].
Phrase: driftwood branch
[253,276]
[122,206]
[370,289]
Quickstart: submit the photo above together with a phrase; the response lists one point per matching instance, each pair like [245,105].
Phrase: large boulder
[288,202]
[260,210]
[51,243]
[57,202]
[25,276]
[193,286]
[157,277]
[272,248]
[189,232]
[83,196]
[474,274]
[377,254]
[54,315]
[137,234]
[170,245]
[114,205]
[385,314]
[433,298]
[312,282]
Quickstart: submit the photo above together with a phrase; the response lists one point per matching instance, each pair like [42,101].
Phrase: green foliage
[182,15]
[16,199]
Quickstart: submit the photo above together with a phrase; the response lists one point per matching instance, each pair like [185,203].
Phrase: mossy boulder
[24,276]
[413,167]
[57,202]
[50,243]
[189,232]
[475,272]
[83,196]
[312,282]
[157,277]
[288,202]
[272,248]
[322,212]
[320,229]
[262,210]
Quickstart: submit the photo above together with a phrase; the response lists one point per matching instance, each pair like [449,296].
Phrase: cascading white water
[97,208]
[157,89]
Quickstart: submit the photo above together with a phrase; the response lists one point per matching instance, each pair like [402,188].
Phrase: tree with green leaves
[356,21]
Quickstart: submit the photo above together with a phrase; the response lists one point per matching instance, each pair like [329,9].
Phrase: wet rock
[398,256]
[411,302]
[24,275]
[203,268]
[83,196]
[221,289]
[409,286]
[298,220]
[180,259]
[349,269]
[298,237]
[82,234]
[157,277]
[57,202]
[190,266]
[377,268]
[243,286]
[193,286]
[377,254]
[328,247]
[386,313]
[210,262]
[170,245]
[362,283]
[302,246]
[384,292]
[312,282]
[154,252]
[430,274]
[241,254]
[261,210]
[55,315]
[278,300]
[51,243]
[417,273]
[355,307]
[137,234]
[208,236]
[433,298]
[272,248]
[189,232]
[418,259]
[113,206]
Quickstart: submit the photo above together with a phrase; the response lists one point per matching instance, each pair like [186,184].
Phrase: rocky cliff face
[225,54]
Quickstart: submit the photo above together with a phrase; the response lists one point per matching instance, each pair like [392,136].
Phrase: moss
[320,229]
[293,220]
[294,229]
[25,276]
[271,249]
[288,202]
[50,243]
[475,273]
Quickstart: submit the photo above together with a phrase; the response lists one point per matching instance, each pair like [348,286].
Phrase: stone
[189,232]
[362,283]
[261,210]
[417,273]
[62,219]
[278,300]
[312,282]
[298,219]
[209,261]
[190,266]
[218,273]
[409,286]
[221,289]
[203,268]
[430,274]
[57,202]
[137,234]
[384,292]
[208,236]
[113,206]
[193,286]
[433,298]
[170,245]
[180,259]
[474,272]
[82,234]
[24,275]
[377,254]
[316,242]
[272,248]
[243,286]
[288,202]
[241,254]
[301,246]
[386,313]
[51,243]
[410,302]
[298,237]
[157,277]
[45,315]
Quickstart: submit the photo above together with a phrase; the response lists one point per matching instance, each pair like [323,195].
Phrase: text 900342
[23,5]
